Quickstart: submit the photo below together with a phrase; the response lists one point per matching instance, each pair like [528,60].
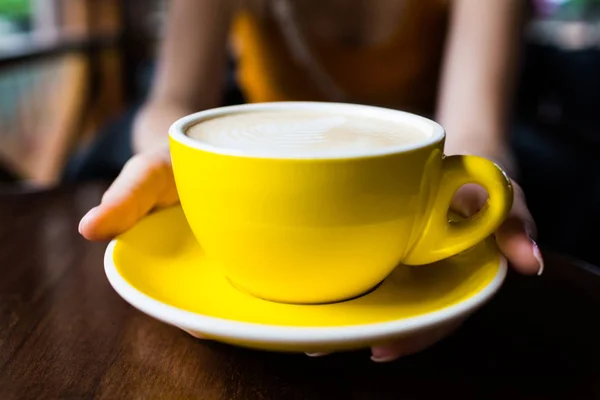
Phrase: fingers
[468,200]
[408,345]
[411,345]
[146,182]
[516,237]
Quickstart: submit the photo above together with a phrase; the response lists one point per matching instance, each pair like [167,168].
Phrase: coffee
[304,133]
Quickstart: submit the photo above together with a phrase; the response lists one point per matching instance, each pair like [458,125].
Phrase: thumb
[145,182]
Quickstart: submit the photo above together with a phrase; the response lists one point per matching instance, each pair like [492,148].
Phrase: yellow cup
[324,229]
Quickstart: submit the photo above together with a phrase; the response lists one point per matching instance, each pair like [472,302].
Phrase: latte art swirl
[302,132]
[284,133]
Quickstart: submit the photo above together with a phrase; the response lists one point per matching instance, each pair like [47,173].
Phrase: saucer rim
[277,334]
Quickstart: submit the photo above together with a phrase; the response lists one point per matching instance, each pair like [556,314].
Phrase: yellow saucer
[159,268]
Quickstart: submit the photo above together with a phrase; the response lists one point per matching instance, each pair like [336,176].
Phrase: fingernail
[384,355]
[85,218]
[385,359]
[316,354]
[538,256]
[194,334]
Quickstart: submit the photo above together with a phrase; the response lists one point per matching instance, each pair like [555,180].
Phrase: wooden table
[64,333]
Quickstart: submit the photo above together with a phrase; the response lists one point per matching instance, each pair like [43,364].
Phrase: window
[15,17]
[24,21]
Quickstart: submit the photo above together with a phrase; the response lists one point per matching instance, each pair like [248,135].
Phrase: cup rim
[436,132]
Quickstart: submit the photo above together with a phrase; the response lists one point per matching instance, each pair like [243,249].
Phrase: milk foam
[304,133]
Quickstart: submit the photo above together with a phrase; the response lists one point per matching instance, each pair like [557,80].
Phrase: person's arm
[190,71]
[476,90]
[190,75]
[478,77]
[473,107]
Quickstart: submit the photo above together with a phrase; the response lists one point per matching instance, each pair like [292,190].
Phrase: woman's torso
[382,52]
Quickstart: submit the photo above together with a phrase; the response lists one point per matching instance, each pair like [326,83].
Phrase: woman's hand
[516,240]
[145,183]
[189,78]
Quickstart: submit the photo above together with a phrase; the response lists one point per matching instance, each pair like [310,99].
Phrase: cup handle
[441,238]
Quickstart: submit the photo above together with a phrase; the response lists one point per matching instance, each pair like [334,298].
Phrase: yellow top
[401,72]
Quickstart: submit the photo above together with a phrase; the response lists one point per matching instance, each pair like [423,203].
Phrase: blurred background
[68,70]
[74,72]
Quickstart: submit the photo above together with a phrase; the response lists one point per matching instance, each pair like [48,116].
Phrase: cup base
[250,293]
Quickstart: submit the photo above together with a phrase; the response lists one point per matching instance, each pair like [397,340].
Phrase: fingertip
[538,256]
[394,351]
[197,335]
[86,224]
[100,223]
[385,358]
[317,354]
[94,236]
[523,254]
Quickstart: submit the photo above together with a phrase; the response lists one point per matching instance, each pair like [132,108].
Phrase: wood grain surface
[65,334]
